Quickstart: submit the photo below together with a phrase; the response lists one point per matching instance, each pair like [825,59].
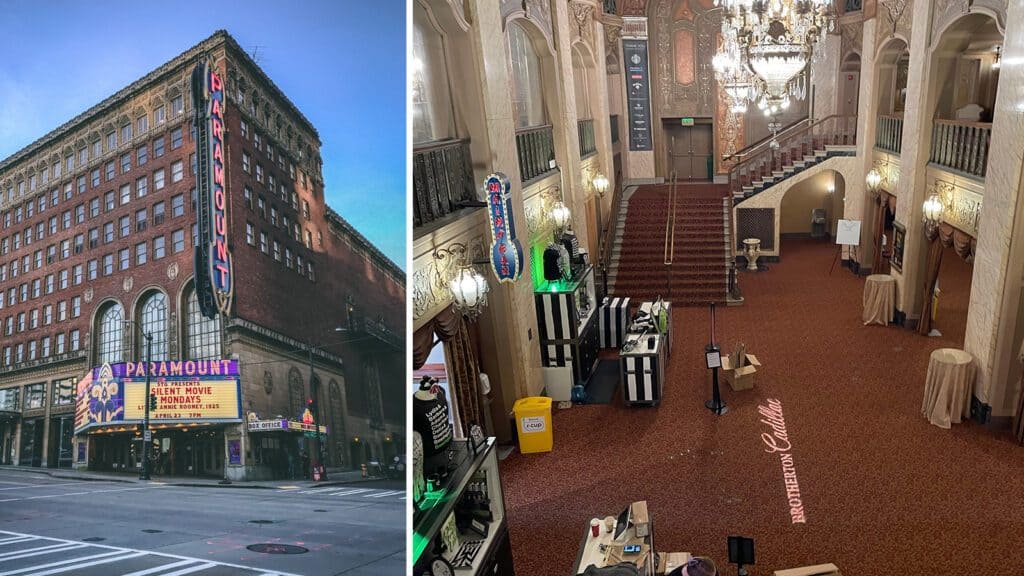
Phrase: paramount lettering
[777,442]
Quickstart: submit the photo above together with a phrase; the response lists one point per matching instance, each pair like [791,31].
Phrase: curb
[245,485]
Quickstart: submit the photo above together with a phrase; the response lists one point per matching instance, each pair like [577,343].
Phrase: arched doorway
[849,85]
[812,208]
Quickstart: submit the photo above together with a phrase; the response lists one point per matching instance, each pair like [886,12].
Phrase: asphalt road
[50,526]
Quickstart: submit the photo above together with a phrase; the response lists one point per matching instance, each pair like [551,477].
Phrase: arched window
[581,81]
[202,335]
[375,408]
[527,95]
[431,97]
[110,334]
[153,321]
[296,393]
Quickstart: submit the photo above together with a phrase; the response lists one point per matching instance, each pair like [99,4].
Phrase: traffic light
[152,401]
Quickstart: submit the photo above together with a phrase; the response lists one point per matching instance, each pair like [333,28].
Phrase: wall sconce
[873,180]
[933,210]
[468,287]
[600,183]
[560,215]
[999,57]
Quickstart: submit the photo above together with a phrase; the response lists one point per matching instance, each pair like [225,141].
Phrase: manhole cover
[93,539]
[261,521]
[276,549]
[152,531]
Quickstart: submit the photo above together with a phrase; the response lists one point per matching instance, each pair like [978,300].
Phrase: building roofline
[151,77]
[336,221]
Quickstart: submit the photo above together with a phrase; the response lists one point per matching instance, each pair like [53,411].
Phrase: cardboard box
[742,377]
[641,521]
[816,570]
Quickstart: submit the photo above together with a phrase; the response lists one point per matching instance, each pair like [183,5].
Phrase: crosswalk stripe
[60,563]
[15,540]
[351,492]
[27,486]
[16,552]
[88,564]
[159,568]
[41,551]
[343,492]
[317,490]
[384,494]
[190,569]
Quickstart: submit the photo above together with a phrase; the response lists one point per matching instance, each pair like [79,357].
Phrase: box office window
[64,392]
[35,396]
[9,396]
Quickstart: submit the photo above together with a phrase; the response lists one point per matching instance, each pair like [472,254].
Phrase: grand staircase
[800,147]
[691,271]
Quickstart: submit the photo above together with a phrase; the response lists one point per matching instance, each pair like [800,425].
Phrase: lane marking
[14,540]
[75,494]
[6,555]
[87,564]
[157,568]
[60,563]
[63,548]
[30,486]
[191,570]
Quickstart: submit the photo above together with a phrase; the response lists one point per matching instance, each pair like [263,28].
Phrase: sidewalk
[335,478]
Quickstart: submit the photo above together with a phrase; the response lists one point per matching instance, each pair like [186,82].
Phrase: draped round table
[948,386]
[879,299]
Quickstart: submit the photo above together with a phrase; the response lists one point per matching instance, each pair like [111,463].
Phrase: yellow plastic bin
[533,421]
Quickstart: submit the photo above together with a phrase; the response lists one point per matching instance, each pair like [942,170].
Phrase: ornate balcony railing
[614,120]
[442,180]
[889,133]
[536,148]
[588,144]
[961,145]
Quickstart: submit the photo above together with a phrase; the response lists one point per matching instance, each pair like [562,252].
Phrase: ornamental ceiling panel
[683,49]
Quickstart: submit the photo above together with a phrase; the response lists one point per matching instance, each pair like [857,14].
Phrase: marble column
[602,115]
[993,316]
[636,164]
[567,139]
[509,329]
[917,121]
[858,202]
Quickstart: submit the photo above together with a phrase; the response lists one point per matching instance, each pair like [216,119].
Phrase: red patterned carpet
[883,491]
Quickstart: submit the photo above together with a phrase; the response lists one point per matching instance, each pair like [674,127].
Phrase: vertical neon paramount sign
[506,251]
[213,266]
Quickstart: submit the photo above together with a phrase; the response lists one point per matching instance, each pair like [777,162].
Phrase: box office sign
[506,251]
[272,425]
[185,390]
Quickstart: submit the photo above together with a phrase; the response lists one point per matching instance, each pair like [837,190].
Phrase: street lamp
[146,434]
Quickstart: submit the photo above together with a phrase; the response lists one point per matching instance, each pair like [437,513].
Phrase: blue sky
[341,62]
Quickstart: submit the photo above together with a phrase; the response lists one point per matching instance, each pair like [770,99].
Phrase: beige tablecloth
[879,299]
[948,386]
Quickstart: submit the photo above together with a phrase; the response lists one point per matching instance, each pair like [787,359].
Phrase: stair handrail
[607,235]
[830,125]
[755,147]
[670,223]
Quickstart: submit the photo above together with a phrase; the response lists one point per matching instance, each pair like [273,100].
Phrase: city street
[107,527]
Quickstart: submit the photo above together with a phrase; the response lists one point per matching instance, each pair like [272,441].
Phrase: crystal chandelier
[766,45]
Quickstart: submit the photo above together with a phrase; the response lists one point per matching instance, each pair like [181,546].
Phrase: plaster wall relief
[685,41]
[581,14]
[728,133]
[538,200]
[894,19]
[612,37]
[888,165]
[852,35]
[997,7]
[824,80]
[633,8]
[430,292]
[537,11]
[961,205]
[944,12]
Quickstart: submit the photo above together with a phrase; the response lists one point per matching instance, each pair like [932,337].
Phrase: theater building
[100,222]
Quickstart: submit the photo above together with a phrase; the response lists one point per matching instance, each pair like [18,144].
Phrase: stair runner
[699,273]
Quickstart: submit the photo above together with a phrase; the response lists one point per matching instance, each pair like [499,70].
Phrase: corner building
[99,225]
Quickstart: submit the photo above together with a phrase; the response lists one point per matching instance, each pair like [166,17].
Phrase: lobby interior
[846,239]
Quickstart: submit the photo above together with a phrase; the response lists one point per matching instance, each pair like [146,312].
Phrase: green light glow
[419,541]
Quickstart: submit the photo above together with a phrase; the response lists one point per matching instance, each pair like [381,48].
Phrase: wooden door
[690,151]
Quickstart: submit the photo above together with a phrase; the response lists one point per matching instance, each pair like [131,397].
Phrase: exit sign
[686,121]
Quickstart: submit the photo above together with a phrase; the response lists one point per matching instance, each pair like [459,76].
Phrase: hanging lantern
[469,291]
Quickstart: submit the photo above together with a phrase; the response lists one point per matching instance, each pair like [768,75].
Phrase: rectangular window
[250,235]
[108,264]
[33,319]
[111,141]
[158,179]
[140,220]
[65,249]
[76,275]
[261,207]
[65,220]
[263,242]
[192,162]
[178,205]
[37,288]
[108,232]
[142,124]
[60,343]
[141,157]
[83,157]
[48,314]
[69,163]
[31,351]
[178,241]
[159,249]
[259,172]
[126,163]
[95,176]
[158,213]
[76,306]
[45,346]
[277,250]
[53,225]
[80,213]
[305,209]
[81,186]
[19,353]
[256,140]
[109,170]
[177,105]
[67,190]
[177,171]
[93,266]
[125,192]
[94,238]
[158,147]
[247,194]
[159,115]
[245,129]
[141,253]
[126,133]
[176,138]
[273,215]
[108,201]
[125,225]
[124,258]
[141,187]
[288,257]
[94,207]
[63,390]
[246,161]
